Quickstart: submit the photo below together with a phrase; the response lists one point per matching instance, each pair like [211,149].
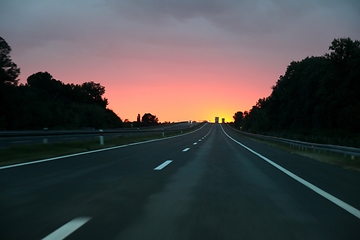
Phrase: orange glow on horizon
[191,94]
[174,90]
[180,102]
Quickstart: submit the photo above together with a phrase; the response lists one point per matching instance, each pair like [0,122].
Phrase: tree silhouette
[8,70]
[343,50]
[46,102]
[148,119]
[8,82]
[95,91]
[315,94]
[238,117]
[138,118]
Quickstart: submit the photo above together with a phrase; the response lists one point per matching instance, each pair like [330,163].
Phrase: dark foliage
[317,94]
[8,70]
[238,117]
[44,102]
[47,102]
[148,119]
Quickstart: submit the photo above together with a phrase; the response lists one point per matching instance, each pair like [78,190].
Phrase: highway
[210,184]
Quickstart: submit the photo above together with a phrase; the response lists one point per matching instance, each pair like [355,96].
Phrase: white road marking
[194,143]
[67,229]
[164,164]
[199,140]
[186,149]
[95,151]
[319,191]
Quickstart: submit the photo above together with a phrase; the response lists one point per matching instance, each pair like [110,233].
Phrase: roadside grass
[345,161]
[24,153]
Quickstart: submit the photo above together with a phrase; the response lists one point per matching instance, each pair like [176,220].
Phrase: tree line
[45,102]
[145,121]
[319,94]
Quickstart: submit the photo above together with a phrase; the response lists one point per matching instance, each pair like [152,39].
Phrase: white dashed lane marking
[186,149]
[164,164]
[67,229]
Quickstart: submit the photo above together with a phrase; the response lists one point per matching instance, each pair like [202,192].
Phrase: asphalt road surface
[210,184]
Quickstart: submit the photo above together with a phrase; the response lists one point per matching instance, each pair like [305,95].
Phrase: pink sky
[178,60]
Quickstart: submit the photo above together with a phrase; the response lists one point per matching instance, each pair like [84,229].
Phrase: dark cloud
[244,15]
[34,23]
[179,10]
[128,29]
[246,22]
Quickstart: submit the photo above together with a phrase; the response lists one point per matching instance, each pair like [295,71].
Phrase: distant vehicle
[216,119]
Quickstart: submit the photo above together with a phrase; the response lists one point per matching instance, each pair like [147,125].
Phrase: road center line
[67,229]
[319,191]
[164,164]
[194,143]
[186,149]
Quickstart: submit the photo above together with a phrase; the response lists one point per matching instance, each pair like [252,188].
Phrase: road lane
[214,190]
[224,194]
[311,186]
[42,197]
[340,182]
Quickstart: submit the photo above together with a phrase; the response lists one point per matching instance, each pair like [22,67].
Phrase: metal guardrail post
[45,140]
[101,137]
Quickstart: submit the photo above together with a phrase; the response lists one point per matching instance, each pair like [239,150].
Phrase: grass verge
[24,153]
[332,158]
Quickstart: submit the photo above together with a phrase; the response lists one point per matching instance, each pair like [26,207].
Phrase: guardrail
[40,133]
[8,138]
[306,146]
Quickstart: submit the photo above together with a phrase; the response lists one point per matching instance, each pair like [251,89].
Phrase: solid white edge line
[94,151]
[186,149]
[164,164]
[67,229]
[319,191]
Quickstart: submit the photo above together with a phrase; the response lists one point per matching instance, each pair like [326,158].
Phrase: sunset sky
[176,59]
